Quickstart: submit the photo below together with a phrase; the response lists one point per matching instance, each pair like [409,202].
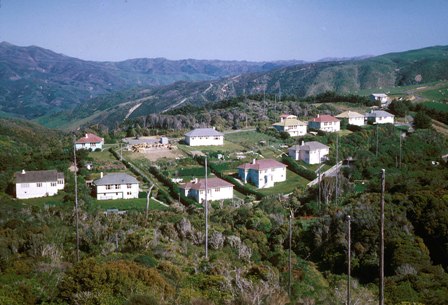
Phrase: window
[39,184]
[116,194]
[117,186]
[129,193]
[217,189]
[60,181]
[108,187]
[25,185]
[53,183]
[129,185]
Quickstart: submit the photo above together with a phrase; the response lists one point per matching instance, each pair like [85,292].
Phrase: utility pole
[337,169]
[290,245]
[349,258]
[148,196]
[376,152]
[121,152]
[76,200]
[383,186]
[401,138]
[318,181]
[206,212]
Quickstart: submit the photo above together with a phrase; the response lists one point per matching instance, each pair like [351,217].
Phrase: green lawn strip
[138,204]
[292,182]
[55,200]
[437,106]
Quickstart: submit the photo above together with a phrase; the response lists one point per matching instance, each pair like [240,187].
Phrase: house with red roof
[325,122]
[262,173]
[217,189]
[90,141]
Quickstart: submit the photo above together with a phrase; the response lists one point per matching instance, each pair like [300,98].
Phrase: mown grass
[129,204]
[292,182]
[437,106]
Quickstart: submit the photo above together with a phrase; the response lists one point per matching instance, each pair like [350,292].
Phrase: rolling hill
[35,82]
[416,67]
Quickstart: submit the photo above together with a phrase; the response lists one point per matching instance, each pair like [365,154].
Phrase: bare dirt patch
[154,154]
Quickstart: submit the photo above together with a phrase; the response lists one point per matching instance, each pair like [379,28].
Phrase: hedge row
[237,185]
[299,170]
[173,187]
[161,194]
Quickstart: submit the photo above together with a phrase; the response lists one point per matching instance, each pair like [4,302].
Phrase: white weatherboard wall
[91,146]
[358,121]
[117,191]
[264,178]
[218,193]
[36,189]
[204,140]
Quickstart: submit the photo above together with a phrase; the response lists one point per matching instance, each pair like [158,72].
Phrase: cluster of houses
[261,173]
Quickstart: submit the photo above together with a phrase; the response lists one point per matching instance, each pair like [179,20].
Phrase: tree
[422,120]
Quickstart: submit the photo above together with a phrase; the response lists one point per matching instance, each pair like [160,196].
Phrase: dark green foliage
[422,120]
[299,170]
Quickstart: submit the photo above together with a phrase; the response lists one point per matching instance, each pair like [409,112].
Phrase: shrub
[299,170]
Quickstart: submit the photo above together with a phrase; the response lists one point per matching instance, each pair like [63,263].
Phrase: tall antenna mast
[289,258]
[76,199]
[383,186]
[206,211]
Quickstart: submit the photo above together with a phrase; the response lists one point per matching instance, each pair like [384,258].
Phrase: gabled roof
[262,164]
[116,178]
[38,176]
[378,113]
[290,122]
[349,115]
[379,94]
[285,116]
[90,138]
[324,118]
[203,132]
[211,183]
[309,146]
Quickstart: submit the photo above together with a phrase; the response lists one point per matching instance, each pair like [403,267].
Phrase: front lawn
[128,204]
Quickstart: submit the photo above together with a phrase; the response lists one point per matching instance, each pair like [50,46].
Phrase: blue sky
[255,30]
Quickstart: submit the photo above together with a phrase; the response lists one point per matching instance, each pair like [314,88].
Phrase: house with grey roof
[262,173]
[204,137]
[35,184]
[380,97]
[116,186]
[379,117]
[309,152]
[217,189]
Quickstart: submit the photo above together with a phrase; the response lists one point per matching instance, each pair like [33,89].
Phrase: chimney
[195,180]
[318,115]
[303,143]
[101,175]
[214,128]
[23,172]
[254,161]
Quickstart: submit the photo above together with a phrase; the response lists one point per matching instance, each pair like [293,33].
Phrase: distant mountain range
[36,81]
[49,87]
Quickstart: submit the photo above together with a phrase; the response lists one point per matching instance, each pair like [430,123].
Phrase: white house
[325,122]
[381,97]
[290,124]
[204,137]
[353,118]
[380,117]
[309,152]
[262,173]
[217,189]
[116,186]
[90,141]
[34,184]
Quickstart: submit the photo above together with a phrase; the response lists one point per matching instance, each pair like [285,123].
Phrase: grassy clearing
[56,200]
[292,182]
[251,139]
[437,106]
[129,204]
[102,156]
